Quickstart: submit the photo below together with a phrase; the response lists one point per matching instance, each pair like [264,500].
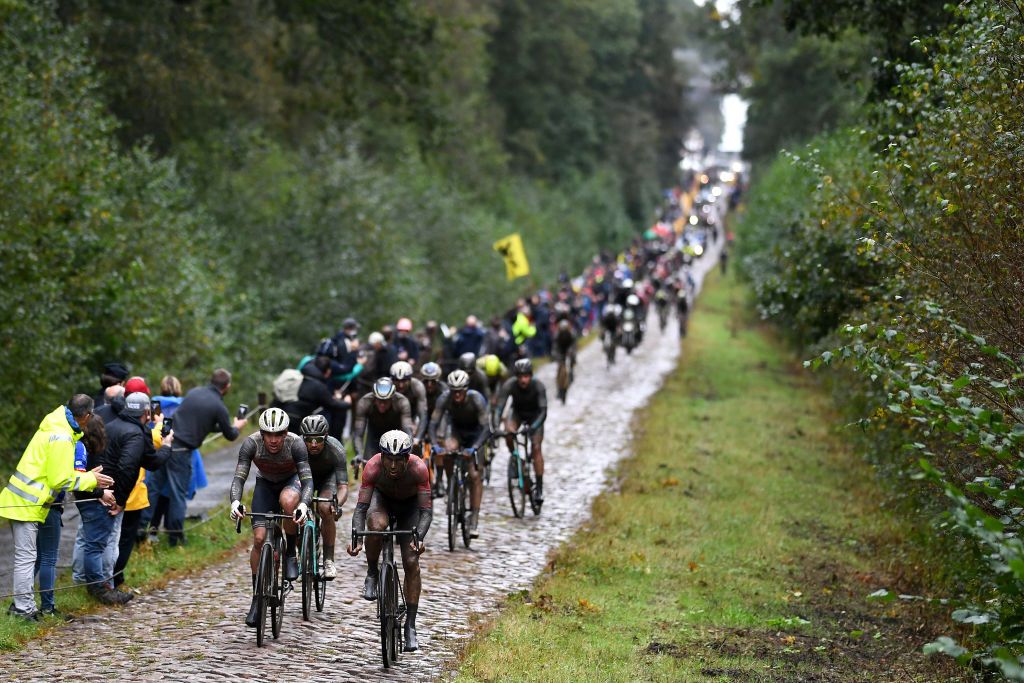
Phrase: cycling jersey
[278,470]
[417,395]
[439,389]
[330,468]
[397,496]
[529,404]
[372,423]
[468,418]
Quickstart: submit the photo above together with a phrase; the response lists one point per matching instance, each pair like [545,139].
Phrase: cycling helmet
[383,388]
[523,366]
[314,425]
[431,371]
[492,365]
[467,361]
[273,420]
[632,300]
[458,380]
[395,442]
[401,370]
[404,325]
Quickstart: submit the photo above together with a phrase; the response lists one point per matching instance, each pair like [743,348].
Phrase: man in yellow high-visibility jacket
[46,468]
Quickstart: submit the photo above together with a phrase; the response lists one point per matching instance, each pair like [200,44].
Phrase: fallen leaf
[693,566]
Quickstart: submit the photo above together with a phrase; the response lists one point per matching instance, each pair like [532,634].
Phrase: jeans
[47,544]
[110,552]
[78,554]
[129,531]
[174,478]
[24,565]
[97,524]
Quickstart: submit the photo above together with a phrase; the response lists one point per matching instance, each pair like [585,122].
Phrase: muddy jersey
[421,429]
[368,419]
[468,416]
[277,468]
[414,482]
[530,404]
[330,468]
[417,395]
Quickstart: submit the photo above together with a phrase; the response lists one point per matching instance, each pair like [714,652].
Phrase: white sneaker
[330,571]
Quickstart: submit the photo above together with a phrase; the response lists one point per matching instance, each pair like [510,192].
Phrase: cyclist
[283,479]
[434,388]
[477,377]
[379,411]
[412,389]
[466,413]
[330,480]
[396,485]
[495,371]
[530,409]
[661,302]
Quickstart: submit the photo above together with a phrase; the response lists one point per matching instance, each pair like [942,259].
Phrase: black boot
[410,629]
[250,618]
[291,565]
[370,587]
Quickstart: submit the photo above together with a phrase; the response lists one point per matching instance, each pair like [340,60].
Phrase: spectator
[495,341]
[313,395]
[430,344]
[47,466]
[405,346]
[470,338]
[113,374]
[201,411]
[153,514]
[379,358]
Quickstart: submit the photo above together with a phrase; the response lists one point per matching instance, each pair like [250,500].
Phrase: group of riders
[409,426]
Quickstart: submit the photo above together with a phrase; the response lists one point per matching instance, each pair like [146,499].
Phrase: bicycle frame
[310,561]
[389,589]
[271,586]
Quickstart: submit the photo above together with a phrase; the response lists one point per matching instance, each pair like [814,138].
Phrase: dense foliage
[187,184]
[899,246]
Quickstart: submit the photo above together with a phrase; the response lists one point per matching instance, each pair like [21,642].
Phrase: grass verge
[740,542]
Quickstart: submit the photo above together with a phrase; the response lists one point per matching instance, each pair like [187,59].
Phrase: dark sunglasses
[314,439]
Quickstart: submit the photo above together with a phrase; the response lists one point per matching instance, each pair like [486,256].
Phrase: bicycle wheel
[487,455]
[386,631]
[464,515]
[516,491]
[277,604]
[264,576]
[452,507]
[391,601]
[321,582]
[306,568]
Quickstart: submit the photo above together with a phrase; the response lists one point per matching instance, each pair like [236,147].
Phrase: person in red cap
[405,345]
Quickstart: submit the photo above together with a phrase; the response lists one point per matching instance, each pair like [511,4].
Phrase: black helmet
[467,361]
[314,425]
[523,366]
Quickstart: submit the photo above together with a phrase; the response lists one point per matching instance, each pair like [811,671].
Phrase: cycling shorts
[406,511]
[266,497]
[528,420]
[325,487]
[466,438]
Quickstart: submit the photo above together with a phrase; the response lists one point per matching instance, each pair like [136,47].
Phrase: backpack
[286,386]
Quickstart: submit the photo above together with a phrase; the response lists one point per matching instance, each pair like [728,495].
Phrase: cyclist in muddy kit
[530,409]
[467,415]
[434,388]
[394,484]
[379,411]
[330,480]
[283,480]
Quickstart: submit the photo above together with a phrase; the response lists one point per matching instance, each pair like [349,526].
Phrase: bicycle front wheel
[277,603]
[464,515]
[264,583]
[321,582]
[516,492]
[386,615]
[453,508]
[306,567]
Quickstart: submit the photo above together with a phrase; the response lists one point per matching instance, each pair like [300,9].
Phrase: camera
[243,408]
[166,429]
[154,407]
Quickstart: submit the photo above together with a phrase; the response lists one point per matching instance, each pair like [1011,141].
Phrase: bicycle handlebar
[264,515]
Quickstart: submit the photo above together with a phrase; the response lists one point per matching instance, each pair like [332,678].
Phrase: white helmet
[627,283]
[401,370]
[458,380]
[431,371]
[273,420]
[383,388]
[395,442]
[632,300]
[375,338]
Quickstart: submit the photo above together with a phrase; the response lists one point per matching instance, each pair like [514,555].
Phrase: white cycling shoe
[330,571]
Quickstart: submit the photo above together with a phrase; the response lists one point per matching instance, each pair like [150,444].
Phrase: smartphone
[166,429]
[242,410]
[154,407]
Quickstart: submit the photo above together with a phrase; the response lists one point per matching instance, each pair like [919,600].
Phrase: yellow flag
[511,249]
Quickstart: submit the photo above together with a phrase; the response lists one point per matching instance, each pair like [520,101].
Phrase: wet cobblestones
[192,629]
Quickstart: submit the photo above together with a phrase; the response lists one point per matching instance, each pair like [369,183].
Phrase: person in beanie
[46,468]
[113,374]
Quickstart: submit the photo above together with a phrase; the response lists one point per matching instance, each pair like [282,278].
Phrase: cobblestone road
[192,630]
